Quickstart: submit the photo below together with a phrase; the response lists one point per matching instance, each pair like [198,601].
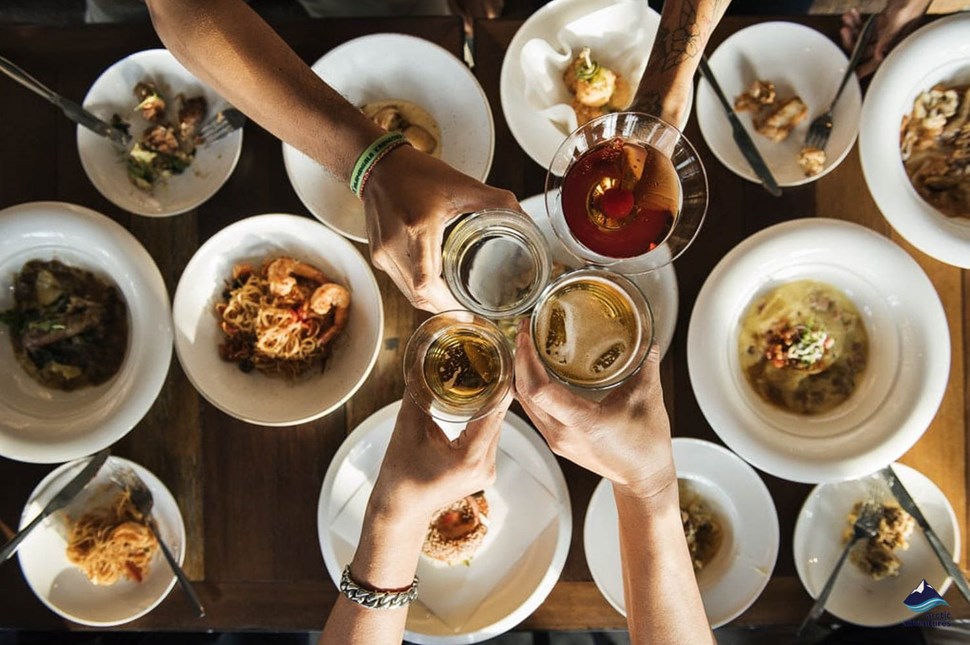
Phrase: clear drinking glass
[592,328]
[457,366]
[626,191]
[496,263]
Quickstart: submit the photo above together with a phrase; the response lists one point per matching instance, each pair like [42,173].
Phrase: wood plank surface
[249,494]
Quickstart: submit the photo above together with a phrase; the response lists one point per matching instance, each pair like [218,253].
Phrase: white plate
[938,52]
[738,573]
[909,355]
[798,60]
[38,424]
[537,135]
[63,587]
[660,286]
[395,66]
[104,163]
[856,598]
[516,567]
[258,398]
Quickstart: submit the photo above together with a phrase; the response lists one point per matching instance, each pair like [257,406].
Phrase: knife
[62,499]
[72,110]
[741,136]
[906,501]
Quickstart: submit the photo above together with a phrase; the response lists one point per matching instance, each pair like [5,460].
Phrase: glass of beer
[626,191]
[496,263]
[592,328]
[457,366]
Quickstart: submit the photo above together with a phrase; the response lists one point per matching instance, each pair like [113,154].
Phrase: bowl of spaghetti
[96,562]
[278,320]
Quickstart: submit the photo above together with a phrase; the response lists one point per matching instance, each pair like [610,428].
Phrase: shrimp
[280,274]
[335,297]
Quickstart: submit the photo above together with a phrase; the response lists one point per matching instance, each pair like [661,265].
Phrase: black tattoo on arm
[681,43]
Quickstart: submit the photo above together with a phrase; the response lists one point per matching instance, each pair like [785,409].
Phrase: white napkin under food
[619,37]
[520,509]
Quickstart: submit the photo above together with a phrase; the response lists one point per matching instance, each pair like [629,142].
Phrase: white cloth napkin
[620,38]
[520,509]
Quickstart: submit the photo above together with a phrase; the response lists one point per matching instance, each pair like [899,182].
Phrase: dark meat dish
[69,328]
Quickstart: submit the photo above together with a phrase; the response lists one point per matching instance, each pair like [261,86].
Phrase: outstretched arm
[626,438]
[409,198]
[685,26]
[422,472]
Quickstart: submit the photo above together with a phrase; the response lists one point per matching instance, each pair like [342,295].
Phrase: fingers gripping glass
[457,367]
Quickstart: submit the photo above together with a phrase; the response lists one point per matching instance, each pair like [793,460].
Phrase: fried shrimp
[281,271]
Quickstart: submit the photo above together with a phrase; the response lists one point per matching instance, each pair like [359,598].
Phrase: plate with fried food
[915,139]
[96,562]
[480,582]
[168,169]
[405,84]
[730,524]
[570,62]
[779,76]
[278,320]
[883,571]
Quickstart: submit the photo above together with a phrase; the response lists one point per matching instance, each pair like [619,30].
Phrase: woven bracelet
[377,598]
[369,158]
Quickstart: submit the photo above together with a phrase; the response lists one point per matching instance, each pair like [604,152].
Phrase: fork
[821,127]
[143,500]
[864,527]
[223,123]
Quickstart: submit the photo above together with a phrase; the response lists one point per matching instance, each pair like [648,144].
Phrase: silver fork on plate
[821,127]
[222,124]
[143,500]
[865,527]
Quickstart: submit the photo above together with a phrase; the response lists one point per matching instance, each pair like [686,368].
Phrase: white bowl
[104,162]
[857,598]
[63,587]
[258,398]
[938,52]
[39,424]
[909,355]
[622,20]
[395,66]
[798,60]
[738,573]
[518,563]
[660,286]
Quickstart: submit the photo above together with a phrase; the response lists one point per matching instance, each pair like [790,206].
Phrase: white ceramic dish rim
[907,474]
[708,103]
[163,497]
[312,227]
[766,523]
[385,416]
[291,154]
[803,459]
[901,76]
[150,333]
[158,58]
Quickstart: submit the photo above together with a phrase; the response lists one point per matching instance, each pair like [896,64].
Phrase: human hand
[409,199]
[892,24]
[625,437]
[423,471]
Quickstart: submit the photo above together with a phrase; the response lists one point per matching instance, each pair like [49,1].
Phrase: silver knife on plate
[72,110]
[741,136]
[59,501]
[906,501]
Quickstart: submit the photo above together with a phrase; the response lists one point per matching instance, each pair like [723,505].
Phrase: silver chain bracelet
[373,599]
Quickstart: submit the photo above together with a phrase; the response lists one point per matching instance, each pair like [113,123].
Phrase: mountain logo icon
[924,597]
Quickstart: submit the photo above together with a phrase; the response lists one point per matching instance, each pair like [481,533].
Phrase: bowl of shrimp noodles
[278,320]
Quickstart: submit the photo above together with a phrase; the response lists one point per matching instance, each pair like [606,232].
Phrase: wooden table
[249,494]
